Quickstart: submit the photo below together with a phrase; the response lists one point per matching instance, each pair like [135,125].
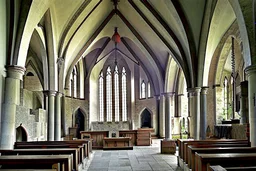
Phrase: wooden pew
[214,150]
[203,161]
[36,162]
[51,151]
[70,143]
[81,144]
[220,168]
[224,143]
[189,156]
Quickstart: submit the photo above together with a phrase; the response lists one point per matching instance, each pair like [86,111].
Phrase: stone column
[158,114]
[162,117]
[11,100]
[168,113]
[168,145]
[194,105]
[251,75]
[244,102]
[57,118]
[176,126]
[51,104]
[203,112]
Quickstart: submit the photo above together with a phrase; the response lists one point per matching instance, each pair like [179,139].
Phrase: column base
[168,147]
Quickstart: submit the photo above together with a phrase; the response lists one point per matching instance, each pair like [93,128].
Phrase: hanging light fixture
[116,38]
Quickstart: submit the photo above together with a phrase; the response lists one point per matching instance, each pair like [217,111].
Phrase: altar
[117,143]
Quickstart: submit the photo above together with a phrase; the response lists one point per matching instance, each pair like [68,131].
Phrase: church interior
[111,71]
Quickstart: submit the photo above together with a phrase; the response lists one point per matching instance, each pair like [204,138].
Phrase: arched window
[116,94]
[124,95]
[113,95]
[143,90]
[109,94]
[75,82]
[225,95]
[149,91]
[101,97]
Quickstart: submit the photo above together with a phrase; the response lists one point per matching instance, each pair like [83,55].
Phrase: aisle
[141,158]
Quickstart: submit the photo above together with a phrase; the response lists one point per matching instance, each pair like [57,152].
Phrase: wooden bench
[36,162]
[215,150]
[204,161]
[220,168]
[81,144]
[190,155]
[51,151]
[225,142]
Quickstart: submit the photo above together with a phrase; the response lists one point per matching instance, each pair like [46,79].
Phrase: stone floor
[141,158]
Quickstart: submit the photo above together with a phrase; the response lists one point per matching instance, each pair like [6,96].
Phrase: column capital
[59,94]
[60,61]
[50,92]
[15,71]
[168,94]
[193,91]
[204,90]
[250,70]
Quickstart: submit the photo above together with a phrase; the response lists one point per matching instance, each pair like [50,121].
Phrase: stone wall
[142,104]
[33,121]
[32,118]
[109,126]
[71,106]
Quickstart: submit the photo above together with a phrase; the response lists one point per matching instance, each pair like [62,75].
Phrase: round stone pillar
[51,104]
[203,112]
[251,75]
[11,100]
[194,105]
[57,118]
[168,112]
[162,117]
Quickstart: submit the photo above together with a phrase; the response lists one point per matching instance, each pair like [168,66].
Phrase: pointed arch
[21,134]
[146,118]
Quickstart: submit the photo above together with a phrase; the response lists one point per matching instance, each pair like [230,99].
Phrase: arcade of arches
[118,65]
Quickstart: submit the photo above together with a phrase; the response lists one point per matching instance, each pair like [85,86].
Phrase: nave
[141,158]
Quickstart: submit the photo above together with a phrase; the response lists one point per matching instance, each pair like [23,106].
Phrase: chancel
[113,80]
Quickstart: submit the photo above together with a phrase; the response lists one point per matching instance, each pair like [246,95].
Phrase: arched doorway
[79,122]
[21,134]
[146,119]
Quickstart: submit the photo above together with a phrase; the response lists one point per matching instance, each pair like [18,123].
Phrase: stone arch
[80,120]
[245,36]
[21,134]
[146,118]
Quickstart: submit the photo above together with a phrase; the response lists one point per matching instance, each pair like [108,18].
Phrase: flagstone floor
[141,158]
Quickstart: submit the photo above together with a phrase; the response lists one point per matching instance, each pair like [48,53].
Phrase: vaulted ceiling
[152,32]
